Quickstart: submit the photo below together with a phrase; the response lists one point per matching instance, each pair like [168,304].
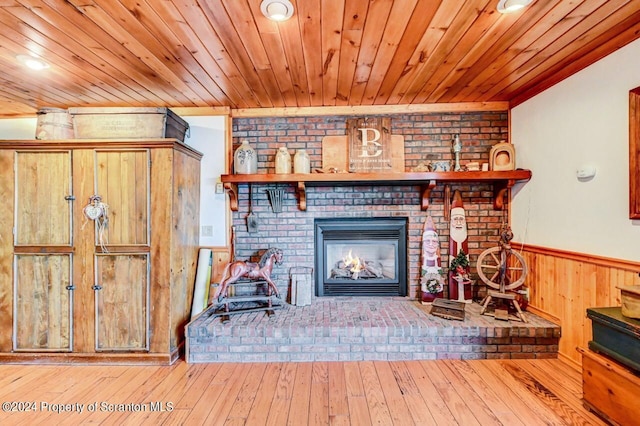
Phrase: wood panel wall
[564,284]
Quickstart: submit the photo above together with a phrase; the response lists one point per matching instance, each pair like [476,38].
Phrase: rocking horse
[260,271]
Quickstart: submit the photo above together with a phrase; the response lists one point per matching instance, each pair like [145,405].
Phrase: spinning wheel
[500,267]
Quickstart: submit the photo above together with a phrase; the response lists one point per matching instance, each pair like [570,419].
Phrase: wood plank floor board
[564,373]
[487,393]
[433,401]
[152,391]
[319,394]
[393,394]
[442,392]
[546,395]
[515,396]
[279,410]
[338,403]
[299,410]
[178,417]
[473,399]
[356,397]
[199,384]
[27,379]
[378,409]
[104,390]
[411,393]
[457,404]
[555,380]
[46,391]
[220,410]
[261,404]
[224,377]
[244,401]
[73,394]
[359,410]
[109,389]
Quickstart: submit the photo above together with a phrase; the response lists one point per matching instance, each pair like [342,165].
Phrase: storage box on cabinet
[140,122]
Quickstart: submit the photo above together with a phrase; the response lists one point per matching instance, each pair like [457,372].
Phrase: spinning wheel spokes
[494,273]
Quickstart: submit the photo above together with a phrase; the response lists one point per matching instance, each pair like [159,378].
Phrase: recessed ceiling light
[508,6]
[31,62]
[277,10]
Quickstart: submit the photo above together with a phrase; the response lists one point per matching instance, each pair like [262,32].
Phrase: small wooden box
[448,309]
[630,295]
[609,389]
[136,123]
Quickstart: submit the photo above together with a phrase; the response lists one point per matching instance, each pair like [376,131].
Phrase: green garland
[460,260]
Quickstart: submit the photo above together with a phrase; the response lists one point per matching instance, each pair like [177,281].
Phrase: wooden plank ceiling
[199,53]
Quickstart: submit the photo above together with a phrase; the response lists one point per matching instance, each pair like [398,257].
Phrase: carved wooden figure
[458,241]
[431,280]
[254,271]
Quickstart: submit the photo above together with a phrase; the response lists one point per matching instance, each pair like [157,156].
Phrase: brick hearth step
[365,328]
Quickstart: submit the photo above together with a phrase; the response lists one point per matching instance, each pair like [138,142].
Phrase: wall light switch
[207,231]
[219,188]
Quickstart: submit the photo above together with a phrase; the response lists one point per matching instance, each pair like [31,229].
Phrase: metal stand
[264,301]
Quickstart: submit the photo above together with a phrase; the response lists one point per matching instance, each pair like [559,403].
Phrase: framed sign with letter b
[369,144]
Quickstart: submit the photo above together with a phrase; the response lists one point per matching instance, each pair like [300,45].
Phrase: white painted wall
[206,135]
[583,120]
[18,128]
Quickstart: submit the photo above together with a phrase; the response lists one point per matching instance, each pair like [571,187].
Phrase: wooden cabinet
[609,389]
[73,290]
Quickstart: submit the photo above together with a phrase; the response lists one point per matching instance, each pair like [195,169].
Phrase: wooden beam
[370,109]
[193,111]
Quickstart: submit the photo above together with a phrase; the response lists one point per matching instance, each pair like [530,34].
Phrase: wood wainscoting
[563,284]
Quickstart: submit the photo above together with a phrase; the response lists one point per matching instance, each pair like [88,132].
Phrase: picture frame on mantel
[634,153]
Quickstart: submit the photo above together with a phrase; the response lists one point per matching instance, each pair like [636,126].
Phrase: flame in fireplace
[354,262]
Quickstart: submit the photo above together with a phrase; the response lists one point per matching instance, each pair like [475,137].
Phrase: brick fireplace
[427,138]
[352,328]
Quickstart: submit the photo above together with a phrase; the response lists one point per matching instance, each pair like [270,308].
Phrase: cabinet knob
[70,287]
[97,287]
[70,197]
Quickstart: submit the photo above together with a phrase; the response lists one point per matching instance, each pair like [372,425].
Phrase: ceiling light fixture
[31,62]
[508,6]
[277,10]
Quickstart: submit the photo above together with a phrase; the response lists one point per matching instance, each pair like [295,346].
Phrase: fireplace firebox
[361,256]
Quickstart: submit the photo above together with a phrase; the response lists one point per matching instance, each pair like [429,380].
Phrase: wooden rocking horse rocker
[260,271]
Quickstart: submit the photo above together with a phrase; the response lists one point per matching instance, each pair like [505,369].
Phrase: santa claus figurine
[458,252]
[431,279]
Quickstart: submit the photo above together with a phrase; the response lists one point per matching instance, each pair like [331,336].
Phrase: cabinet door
[43,207]
[42,274]
[122,181]
[42,302]
[122,300]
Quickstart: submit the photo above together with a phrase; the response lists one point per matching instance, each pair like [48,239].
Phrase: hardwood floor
[444,392]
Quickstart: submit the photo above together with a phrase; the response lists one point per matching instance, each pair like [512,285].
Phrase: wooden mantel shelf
[501,180]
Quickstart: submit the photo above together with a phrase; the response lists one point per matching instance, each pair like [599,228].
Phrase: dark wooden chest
[616,336]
